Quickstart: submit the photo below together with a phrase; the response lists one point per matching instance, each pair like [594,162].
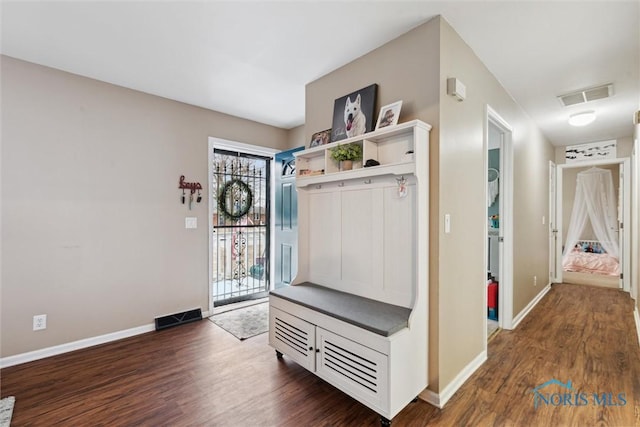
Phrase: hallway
[581,334]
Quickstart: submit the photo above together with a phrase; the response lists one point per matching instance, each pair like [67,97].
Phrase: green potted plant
[346,154]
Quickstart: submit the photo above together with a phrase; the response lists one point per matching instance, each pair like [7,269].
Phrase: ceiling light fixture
[582,119]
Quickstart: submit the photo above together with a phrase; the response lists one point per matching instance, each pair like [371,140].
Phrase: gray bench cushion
[375,316]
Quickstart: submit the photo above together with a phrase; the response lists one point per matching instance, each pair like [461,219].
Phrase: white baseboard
[636,316]
[78,345]
[440,399]
[71,346]
[529,307]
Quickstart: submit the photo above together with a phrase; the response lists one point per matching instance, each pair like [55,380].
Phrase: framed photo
[389,115]
[320,138]
[353,113]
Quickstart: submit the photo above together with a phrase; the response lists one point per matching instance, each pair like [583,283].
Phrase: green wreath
[235,199]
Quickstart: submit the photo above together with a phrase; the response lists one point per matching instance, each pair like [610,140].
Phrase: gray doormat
[244,322]
[6,411]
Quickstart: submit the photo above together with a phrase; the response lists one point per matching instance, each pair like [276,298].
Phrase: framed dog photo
[389,115]
[320,138]
[353,113]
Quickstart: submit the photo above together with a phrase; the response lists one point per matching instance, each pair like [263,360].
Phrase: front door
[286,219]
[240,240]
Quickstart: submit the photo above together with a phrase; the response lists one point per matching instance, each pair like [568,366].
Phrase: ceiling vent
[586,95]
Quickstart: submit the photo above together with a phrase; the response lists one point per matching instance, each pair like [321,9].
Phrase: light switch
[447,223]
[191,222]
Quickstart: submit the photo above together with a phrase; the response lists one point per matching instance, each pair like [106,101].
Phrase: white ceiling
[253,59]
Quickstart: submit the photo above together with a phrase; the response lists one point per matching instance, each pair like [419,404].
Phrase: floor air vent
[176,319]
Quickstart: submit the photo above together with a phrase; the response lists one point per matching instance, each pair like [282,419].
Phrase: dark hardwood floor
[199,375]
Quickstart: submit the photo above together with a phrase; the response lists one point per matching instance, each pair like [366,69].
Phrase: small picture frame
[320,138]
[389,115]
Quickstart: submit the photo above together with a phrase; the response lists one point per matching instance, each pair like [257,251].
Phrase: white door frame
[505,285]
[554,260]
[225,144]
[635,184]
[626,213]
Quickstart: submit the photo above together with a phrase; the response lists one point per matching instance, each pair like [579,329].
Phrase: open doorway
[240,222]
[493,224]
[574,258]
[498,282]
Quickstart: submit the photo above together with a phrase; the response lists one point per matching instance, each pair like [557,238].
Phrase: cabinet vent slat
[291,344]
[292,328]
[347,375]
[291,336]
[351,355]
[353,364]
[355,368]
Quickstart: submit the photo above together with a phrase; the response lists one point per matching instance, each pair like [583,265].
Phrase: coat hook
[402,187]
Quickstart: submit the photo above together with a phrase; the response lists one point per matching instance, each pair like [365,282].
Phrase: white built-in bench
[375,316]
[356,313]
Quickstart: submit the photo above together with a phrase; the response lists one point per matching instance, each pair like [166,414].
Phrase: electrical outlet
[39,322]
[535,280]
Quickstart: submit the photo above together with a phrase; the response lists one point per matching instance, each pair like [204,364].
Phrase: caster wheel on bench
[278,354]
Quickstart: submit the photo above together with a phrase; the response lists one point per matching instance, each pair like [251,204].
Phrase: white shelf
[398,169]
[387,146]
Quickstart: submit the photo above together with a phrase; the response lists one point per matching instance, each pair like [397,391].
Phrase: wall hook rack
[192,187]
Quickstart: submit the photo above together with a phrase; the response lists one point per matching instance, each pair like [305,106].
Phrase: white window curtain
[595,204]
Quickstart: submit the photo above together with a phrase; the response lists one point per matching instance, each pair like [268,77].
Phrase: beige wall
[462,189]
[296,137]
[413,68]
[92,228]
[404,69]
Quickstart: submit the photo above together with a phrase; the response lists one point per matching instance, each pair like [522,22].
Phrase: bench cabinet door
[357,370]
[292,336]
